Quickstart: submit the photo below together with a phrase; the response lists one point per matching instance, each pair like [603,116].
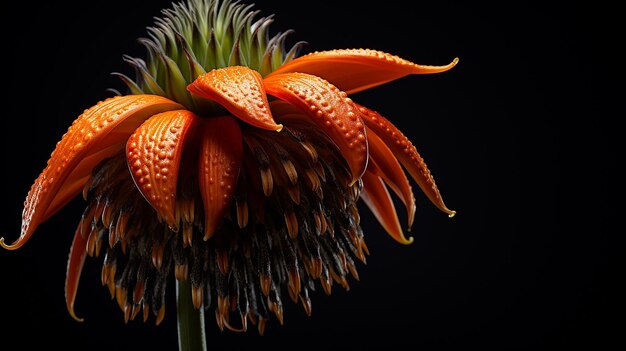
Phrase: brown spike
[161,315]
[294,281]
[290,169]
[86,221]
[127,310]
[310,149]
[306,303]
[319,168]
[134,312]
[107,214]
[187,234]
[120,225]
[146,310]
[353,271]
[314,181]
[343,260]
[292,224]
[242,213]
[104,275]
[329,226]
[363,246]
[98,247]
[261,325]
[219,320]
[244,321]
[113,239]
[252,318]
[278,311]
[124,244]
[120,296]
[340,279]
[294,193]
[265,282]
[326,284]
[267,181]
[181,271]
[138,292]
[111,281]
[86,187]
[196,295]
[292,294]
[223,261]
[157,256]
[91,241]
[97,213]
[316,267]
[318,222]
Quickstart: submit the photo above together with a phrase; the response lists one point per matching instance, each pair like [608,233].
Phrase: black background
[520,137]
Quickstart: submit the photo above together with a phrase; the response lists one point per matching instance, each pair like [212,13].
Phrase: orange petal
[154,152]
[377,198]
[78,252]
[407,154]
[390,170]
[354,70]
[240,90]
[98,128]
[330,109]
[221,152]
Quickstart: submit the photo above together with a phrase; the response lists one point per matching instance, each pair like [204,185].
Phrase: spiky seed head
[196,36]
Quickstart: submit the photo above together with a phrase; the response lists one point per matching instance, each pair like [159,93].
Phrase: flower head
[233,164]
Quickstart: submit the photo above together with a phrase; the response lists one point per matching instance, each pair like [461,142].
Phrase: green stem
[190,321]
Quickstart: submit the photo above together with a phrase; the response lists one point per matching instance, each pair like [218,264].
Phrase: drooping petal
[330,109]
[78,252]
[108,123]
[407,154]
[240,90]
[377,198]
[221,153]
[390,170]
[154,152]
[354,70]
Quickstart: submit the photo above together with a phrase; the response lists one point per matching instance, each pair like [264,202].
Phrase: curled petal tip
[454,62]
[279,127]
[451,213]
[407,241]
[7,247]
[76,318]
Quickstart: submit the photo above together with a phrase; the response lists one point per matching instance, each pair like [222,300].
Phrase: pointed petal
[390,170]
[78,252]
[240,90]
[377,198]
[105,124]
[354,70]
[330,109]
[221,152]
[407,154]
[154,152]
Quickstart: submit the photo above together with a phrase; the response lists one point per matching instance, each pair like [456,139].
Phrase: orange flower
[241,174]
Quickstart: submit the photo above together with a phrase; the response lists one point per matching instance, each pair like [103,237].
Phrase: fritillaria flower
[232,167]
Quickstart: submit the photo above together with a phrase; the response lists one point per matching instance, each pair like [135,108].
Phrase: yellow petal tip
[451,214]
[279,127]
[408,241]
[75,317]
[5,246]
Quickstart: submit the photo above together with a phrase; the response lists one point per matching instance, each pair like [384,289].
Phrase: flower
[233,163]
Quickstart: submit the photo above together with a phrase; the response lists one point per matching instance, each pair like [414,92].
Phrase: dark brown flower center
[293,226]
